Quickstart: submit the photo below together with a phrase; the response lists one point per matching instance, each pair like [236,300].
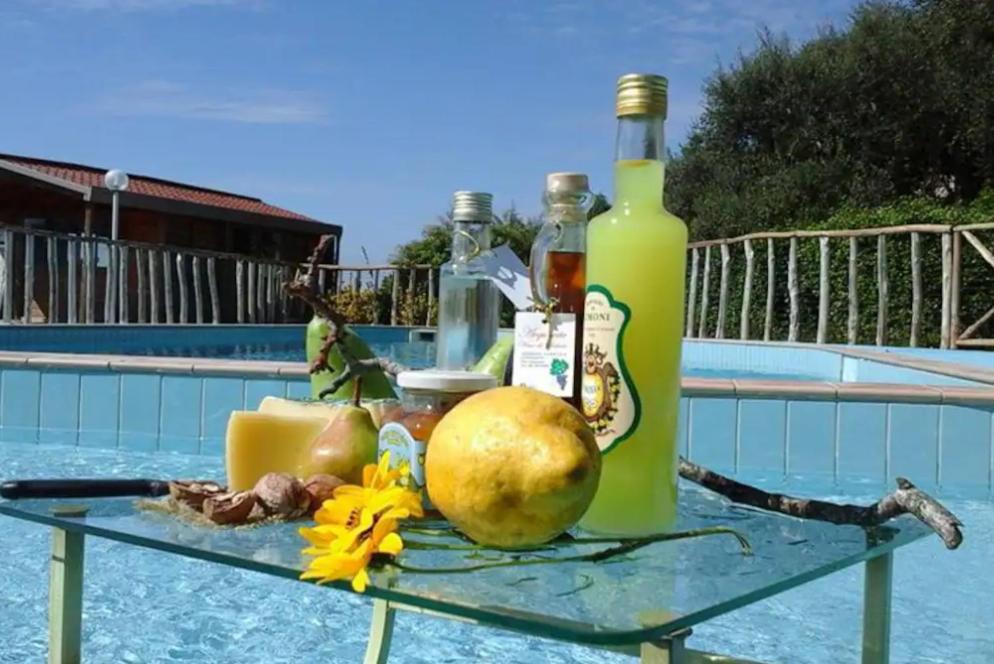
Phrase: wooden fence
[53,278]
[708,318]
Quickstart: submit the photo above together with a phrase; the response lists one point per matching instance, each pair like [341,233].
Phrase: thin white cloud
[171,100]
[141,5]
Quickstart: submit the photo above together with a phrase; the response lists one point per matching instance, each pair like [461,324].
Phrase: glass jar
[427,396]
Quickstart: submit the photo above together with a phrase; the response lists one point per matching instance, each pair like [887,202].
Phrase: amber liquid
[566,281]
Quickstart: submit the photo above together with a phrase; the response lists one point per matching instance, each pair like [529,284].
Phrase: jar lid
[446,381]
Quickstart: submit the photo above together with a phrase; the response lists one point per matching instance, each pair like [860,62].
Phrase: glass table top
[640,596]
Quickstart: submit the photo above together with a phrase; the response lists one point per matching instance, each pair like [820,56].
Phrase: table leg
[380,633]
[668,651]
[876,609]
[65,597]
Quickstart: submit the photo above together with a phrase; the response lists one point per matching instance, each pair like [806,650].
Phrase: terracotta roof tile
[149,186]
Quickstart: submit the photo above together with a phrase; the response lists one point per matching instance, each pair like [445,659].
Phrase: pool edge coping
[709,388]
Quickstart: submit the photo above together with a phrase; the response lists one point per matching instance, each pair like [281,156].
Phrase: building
[71,198]
[40,195]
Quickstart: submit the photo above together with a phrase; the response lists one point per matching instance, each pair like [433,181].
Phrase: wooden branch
[310,280]
[358,369]
[907,499]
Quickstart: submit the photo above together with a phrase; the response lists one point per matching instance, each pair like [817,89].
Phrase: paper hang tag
[540,362]
[510,275]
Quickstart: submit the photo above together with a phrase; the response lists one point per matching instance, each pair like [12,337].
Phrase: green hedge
[977,280]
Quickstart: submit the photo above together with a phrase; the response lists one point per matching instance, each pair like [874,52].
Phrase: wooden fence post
[167,286]
[142,296]
[122,285]
[719,332]
[770,287]
[692,292]
[153,288]
[823,290]
[793,292]
[705,287]
[52,256]
[184,315]
[212,289]
[250,291]
[8,278]
[852,326]
[882,290]
[431,295]
[916,290]
[198,291]
[946,340]
[29,276]
[746,290]
[394,296]
[240,291]
[956,272]
[72,255]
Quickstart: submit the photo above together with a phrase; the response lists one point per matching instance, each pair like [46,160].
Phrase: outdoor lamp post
[116,181]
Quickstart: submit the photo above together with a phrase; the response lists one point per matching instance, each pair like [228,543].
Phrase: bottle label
[544,352]
[610,400]
[405,450]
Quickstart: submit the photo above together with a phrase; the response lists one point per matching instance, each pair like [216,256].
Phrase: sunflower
[358,523]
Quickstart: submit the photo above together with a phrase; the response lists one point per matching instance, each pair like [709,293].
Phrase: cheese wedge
[379,409]
[260,443]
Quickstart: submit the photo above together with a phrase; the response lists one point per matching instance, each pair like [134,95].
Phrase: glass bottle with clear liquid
[633,322]
[468,300]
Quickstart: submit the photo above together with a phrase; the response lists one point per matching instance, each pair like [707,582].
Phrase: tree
[434,247]
[901,103]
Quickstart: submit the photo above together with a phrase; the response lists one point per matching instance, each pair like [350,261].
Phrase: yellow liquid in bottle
[636,252]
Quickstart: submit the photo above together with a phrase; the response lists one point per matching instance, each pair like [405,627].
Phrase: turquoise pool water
[144,606]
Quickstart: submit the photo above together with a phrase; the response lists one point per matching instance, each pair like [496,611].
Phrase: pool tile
[99,403]
[140,396]
[180,414]
[913,443]
[298,389]
[257,390]
[862,440]
[19,398]
[682,426]
[761,435]
[965,446]
[810,437]
[712,433]
[59,416]
[221,396]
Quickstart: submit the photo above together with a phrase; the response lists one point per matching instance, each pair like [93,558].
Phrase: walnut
[321,488]
[229,508]
[282,494]
[194,492]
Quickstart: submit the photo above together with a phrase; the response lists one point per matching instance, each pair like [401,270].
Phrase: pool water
[146,606]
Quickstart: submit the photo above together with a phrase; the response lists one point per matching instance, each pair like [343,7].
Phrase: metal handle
[82,488]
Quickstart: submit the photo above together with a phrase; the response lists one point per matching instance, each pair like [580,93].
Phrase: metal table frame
[65,613]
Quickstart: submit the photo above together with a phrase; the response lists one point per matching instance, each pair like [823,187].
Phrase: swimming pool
[193,611]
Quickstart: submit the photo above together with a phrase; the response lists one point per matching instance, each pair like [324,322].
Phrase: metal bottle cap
[475,206]
[563,182]
[641,94]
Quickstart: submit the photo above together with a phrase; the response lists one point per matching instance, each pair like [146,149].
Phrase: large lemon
[512,466]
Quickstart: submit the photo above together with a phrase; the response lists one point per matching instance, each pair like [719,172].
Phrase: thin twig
[624,546]
[907,499]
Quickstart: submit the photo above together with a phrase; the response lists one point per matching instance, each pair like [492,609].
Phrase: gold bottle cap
[641,94]
[472,206]
[566,182]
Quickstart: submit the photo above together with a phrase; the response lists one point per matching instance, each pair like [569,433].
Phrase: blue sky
[368,114]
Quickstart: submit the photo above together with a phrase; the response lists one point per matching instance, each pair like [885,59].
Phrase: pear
[344,447]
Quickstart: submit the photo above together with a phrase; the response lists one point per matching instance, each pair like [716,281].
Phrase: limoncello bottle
[633,318]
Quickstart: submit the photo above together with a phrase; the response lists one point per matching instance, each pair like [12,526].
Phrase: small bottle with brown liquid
[558,255]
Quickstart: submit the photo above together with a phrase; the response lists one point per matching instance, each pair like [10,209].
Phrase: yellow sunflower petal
[391,544]
[360,580]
